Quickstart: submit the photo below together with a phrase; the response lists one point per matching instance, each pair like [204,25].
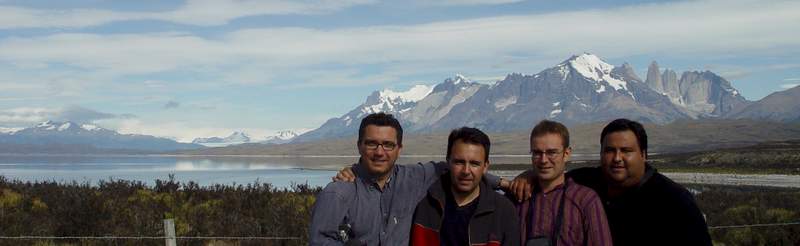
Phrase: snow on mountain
[233,139]
[73,134]
[390,101]
[281,137]
[594,68]
[581,89]
[9,130]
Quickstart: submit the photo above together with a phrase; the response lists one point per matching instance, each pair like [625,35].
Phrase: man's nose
[617,156]
[465,171]
[380,150]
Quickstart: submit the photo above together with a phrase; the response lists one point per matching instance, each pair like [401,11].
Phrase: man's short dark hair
[548,126]
[471,136]
[621,125]
[380,119]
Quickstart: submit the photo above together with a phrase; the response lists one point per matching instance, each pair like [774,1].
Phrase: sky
[202,68]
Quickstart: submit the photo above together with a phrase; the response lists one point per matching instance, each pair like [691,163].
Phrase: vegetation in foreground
[125,208]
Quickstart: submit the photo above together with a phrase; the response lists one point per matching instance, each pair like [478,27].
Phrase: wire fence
[146,238]
[285,238]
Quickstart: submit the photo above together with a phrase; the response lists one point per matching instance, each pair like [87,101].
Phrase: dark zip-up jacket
[494,222]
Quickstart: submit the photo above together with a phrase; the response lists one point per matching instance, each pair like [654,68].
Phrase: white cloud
[471,2]
[194,12]
[748,27]
[26,116]
[789,86]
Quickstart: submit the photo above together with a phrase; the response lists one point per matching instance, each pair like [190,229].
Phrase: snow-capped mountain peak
[59,126]
[237,137]
[281,137]
[416,93]
[285,135]
[90,127]
[9,130]
[458,79]
[594,68]
[391,101]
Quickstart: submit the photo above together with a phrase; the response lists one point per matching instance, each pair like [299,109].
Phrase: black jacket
[493,223]
[657,212]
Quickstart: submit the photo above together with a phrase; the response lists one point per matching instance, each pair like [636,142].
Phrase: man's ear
[567,153]
[485,170]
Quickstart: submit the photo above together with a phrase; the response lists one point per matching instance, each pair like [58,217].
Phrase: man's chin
[378,169]
[464,188]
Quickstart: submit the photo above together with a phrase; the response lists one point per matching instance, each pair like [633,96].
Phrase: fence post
[169,232]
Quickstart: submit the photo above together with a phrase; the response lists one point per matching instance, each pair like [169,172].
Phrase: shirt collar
[370,179]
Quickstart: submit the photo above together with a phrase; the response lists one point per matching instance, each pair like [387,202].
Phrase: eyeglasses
[372,145]
[551,154]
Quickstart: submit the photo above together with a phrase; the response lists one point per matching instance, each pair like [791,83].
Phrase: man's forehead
[548,140]
[625,139]
[373,132]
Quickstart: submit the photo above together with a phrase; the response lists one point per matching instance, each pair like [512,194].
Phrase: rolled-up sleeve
[329,211]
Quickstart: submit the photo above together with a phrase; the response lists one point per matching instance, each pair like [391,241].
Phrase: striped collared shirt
[584,221]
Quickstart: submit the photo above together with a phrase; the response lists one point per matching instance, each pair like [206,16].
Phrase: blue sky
[186,69]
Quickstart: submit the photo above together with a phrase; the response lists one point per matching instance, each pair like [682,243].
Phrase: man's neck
[616,190]
[381,180]
[549,185]
[464,198]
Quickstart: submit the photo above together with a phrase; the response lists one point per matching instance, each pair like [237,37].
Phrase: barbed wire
[147,237]
[754,225]
[296,238]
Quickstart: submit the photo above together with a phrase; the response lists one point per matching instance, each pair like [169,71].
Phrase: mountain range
[69,136]
[236,138]
[581,89]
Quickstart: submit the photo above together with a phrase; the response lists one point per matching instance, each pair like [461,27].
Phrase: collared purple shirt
[584,220]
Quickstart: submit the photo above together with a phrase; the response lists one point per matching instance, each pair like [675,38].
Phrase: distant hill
[70,137]
[678,136]
[782,106]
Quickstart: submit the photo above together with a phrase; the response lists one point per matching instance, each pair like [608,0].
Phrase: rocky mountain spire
[654,78]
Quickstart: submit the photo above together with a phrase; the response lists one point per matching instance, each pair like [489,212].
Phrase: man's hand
[345,175]
[521,186]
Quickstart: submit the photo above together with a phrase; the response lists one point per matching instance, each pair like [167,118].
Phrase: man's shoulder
[340,189]
[660,186]
[502,202]
[584,172]
[587,176]
[581,194]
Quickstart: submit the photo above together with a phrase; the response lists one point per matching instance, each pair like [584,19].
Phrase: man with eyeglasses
[375,206]
[560,211]
[643,206]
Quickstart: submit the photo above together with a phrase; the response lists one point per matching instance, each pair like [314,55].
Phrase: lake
[281,171]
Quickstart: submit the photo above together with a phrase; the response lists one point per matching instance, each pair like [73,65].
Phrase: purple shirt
[584,220]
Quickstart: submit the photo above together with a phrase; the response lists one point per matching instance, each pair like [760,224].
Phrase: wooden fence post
[169,232]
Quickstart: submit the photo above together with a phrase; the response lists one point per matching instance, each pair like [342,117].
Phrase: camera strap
[556,230]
